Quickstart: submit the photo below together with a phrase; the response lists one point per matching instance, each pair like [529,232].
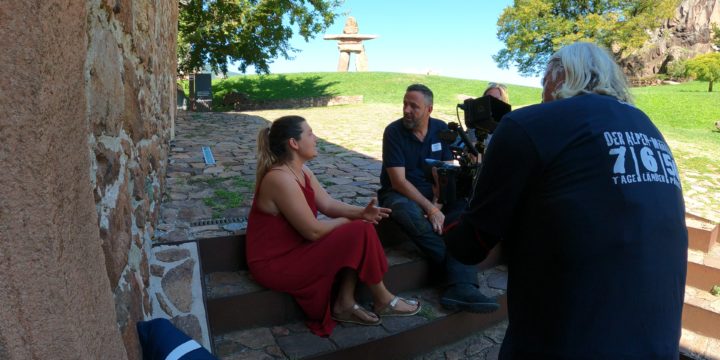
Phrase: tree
[533,30]
[716,35]
[705,67]
[247,32]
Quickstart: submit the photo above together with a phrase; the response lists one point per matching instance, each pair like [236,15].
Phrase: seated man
[406,189]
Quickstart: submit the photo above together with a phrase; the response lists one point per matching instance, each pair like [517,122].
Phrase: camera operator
[584,196]
[406,189]
[500,92]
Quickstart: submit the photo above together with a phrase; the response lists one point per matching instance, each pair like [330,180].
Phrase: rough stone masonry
[88,101]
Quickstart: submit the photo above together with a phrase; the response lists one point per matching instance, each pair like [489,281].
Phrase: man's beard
[410,124]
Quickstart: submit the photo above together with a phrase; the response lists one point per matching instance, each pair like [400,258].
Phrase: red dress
[280,259]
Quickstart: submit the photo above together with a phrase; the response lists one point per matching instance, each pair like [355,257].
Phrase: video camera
[482,116]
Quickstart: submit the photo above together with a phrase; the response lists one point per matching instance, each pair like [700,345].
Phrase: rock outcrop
[686,35]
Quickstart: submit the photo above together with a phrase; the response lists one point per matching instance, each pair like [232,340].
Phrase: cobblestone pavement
[206,200]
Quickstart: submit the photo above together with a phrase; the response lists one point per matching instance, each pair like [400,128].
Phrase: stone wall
[88,100]
[130,74]
[686,35]
[176,289]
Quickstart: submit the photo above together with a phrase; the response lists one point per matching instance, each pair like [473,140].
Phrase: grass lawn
[684,113]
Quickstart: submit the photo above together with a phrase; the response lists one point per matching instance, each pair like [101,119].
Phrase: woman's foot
[356,314]
[399,307]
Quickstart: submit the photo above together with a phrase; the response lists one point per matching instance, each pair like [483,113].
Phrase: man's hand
[436,218]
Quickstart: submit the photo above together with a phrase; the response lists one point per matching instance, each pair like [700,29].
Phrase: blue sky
[446,37]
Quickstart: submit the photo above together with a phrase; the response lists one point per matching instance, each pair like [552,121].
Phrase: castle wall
[88,98]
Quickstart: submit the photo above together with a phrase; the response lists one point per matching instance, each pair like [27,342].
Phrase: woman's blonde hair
[504,96]
[588,68]
[272,146]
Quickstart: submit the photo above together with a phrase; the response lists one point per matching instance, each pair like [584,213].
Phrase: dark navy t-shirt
[401,148]
[586,197]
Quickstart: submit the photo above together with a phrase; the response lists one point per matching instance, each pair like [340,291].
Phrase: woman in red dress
[290,250]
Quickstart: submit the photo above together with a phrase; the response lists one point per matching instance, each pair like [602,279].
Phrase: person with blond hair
[290,250]
[584,196]
[498,91]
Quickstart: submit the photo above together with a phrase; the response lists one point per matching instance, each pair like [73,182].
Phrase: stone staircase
[701,313]
[246,321]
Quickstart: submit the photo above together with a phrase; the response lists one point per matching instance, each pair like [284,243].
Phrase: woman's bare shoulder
[276,177]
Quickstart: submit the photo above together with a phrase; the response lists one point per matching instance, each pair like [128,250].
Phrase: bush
[677,70]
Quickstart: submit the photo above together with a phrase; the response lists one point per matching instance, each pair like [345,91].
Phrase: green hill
[376,87]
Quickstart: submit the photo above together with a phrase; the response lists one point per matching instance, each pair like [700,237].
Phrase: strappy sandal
[353,316]
[391,308]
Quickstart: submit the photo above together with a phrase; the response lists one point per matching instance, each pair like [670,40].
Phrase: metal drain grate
[220,221]
[208,155]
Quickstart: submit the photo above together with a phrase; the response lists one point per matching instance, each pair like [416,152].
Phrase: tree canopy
[533,30]
[705,67]
[213,33]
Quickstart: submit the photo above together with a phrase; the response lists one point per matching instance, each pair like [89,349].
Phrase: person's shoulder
[543,109]
[277,179]
[394,124]
[394,127]
[307,171]
[437,124]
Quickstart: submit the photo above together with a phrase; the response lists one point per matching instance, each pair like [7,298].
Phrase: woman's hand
[373,214]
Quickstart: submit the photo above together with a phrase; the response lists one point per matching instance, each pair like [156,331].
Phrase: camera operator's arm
[406,188]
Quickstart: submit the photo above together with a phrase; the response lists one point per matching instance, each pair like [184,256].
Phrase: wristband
[433,211]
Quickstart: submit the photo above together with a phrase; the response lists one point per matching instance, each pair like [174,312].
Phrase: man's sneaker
[467,297]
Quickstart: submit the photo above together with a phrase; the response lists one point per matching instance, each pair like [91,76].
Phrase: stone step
[395,338]
[702,233]
[234,301]
[230,291]
[698,347]
[703,271]
[227,253]
[701,313]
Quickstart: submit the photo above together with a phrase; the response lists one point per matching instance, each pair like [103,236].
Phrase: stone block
[172,255]
[177,285]
[349,335]
[297,346]
[478,346]
[190,325]
[249,355]
[128,309]
[255,339]
[399,324]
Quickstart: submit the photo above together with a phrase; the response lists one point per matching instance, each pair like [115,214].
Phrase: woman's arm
[281,194]
[335,208]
